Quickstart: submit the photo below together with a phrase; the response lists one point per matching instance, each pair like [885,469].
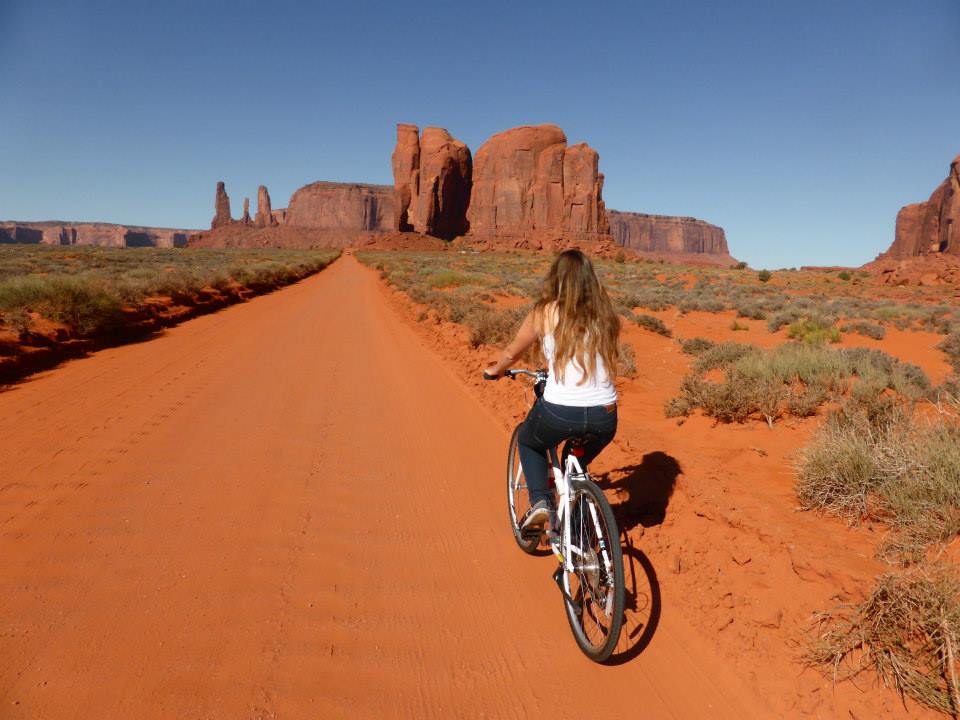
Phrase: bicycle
[585,541]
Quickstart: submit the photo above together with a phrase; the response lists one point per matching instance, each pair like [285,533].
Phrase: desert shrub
[812,331]
[740,266]
[751,309]
[732,401]
[736,327]
[702,301]
[797,312]
[696,346]
[492,327]
[907,632]
[652,323]
[867,329]
[620,257]
[719,355]
[844,275]
[764,276]
[951,347]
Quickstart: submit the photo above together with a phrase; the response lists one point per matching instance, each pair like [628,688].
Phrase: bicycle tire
[517,499]
[581,600]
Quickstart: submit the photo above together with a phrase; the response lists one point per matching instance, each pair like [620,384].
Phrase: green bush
[764,276]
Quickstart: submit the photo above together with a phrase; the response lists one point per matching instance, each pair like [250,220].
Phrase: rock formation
[246,212]
[406,175]
[931,227]
[222,206]
[526,180]
[432,180]
[264,212]
[665,233]
[97,234]
[342,206]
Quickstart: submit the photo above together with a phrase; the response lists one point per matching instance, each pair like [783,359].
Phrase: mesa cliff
[55,232]
[666,234]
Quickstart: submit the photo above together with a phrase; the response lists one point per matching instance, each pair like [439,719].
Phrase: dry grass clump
[792,379]
[907,631]
[890,466]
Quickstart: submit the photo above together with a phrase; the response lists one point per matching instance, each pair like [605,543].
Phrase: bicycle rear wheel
[594,591]
[518,502]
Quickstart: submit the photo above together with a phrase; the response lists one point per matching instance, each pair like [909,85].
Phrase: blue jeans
[547,425]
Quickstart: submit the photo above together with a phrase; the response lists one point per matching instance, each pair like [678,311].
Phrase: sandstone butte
[528,181]
[931,227]
[432,176]
[55,232]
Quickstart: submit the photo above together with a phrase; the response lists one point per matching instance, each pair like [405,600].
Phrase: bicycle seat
[576,443]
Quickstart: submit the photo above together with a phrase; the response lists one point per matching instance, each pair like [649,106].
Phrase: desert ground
[243,517]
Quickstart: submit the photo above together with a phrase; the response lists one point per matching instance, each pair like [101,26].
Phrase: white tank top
[598,390]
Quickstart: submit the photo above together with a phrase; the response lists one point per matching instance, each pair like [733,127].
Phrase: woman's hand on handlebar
[492,373]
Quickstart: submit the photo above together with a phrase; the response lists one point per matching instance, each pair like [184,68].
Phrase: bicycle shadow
[647,488]
[641,613]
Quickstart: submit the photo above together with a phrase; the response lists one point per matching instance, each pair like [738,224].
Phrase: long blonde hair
[587,324]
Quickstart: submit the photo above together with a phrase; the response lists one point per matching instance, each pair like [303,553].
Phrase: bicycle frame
[567,551]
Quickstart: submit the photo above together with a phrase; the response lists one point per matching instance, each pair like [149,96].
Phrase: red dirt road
[292,509]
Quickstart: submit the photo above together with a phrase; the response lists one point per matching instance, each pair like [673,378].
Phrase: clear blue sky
[801,127]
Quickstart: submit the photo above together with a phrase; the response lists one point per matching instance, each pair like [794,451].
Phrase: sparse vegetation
[764,276]
[88,288]
[793,379]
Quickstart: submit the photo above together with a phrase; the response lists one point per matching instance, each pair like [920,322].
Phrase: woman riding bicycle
[578,329]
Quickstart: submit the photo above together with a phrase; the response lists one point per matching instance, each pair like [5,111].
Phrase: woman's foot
[537,516]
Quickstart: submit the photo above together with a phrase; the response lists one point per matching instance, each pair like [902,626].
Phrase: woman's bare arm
[525,337]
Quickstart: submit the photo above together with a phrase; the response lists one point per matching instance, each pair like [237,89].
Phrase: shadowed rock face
[665,233]
[246,212]
[222,207]
[432,177]
[527,180]
[341,206]
[264,212]
[931,227]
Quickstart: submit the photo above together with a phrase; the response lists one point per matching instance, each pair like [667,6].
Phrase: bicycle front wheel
[593,583]
[518,502]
